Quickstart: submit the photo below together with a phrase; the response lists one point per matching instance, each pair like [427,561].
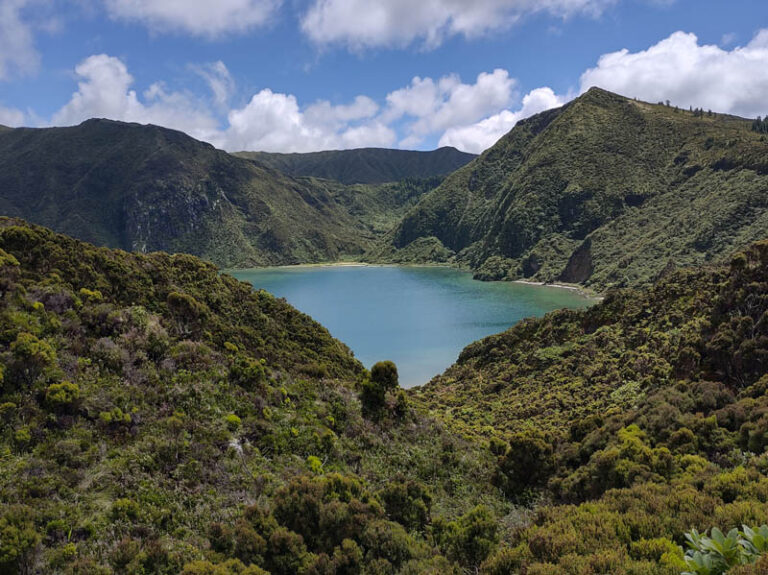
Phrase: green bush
[248,373]
[527,464]
[325,509]
[249,545]
[62,396]
[18,539]
[125,510]
[233,422]
[31,356]
[230,567]
[407,502]
[471,538]
[287,553]
[383,379]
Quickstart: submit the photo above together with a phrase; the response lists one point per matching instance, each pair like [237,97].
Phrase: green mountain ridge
[147,188]
[365,165]
[605,191]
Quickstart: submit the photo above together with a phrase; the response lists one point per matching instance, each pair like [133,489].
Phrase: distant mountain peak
[597,96]
[594,91]
[365,165]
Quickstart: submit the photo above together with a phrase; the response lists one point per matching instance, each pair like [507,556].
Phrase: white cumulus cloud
[466,115]
[104,91]
[206,18]
[362,23]
[688,73]
[270,121]
[482,135]
[219,80]
[435,106]
[17,46]
[11,117]
[426,107]
[470,116]
[324,113]
[274,122]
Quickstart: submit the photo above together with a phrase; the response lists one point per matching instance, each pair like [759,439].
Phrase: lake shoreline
[585,292]
[573,287]
[342,265]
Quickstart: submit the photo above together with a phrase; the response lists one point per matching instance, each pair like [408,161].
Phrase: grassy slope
[120,452]
[148,188]
[365,165]
[605,191]
[635,420]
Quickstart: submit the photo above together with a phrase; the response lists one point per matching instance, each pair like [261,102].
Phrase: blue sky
[301,75]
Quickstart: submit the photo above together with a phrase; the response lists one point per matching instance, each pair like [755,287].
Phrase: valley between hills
[159,416]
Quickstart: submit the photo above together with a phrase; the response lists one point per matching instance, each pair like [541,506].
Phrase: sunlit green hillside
[605,191]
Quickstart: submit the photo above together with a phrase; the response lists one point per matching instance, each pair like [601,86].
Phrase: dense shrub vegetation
[159,417]
[632,422]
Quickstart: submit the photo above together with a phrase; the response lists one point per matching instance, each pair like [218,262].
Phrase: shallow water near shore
[419,317]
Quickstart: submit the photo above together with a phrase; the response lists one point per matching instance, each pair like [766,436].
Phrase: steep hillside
[604,191]
[159,417]
[146,188]
[378,207]
[365,165]
[633,421]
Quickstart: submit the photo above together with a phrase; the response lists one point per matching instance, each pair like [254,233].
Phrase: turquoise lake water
[418,317]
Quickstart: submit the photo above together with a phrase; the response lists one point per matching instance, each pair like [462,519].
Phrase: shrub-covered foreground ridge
[159,417]
[634,421]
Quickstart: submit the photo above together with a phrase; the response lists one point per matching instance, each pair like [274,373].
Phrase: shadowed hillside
[146,188]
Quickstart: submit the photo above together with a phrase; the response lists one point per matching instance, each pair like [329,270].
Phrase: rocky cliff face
[580,266]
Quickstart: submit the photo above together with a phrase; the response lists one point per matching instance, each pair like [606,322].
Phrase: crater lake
[419,317]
